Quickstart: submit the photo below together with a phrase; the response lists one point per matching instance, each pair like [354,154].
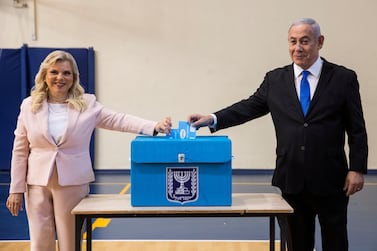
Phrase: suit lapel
[290,79]
[72,117]
[42,117]
[322,82]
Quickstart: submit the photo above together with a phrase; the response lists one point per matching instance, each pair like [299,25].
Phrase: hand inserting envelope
[184,131]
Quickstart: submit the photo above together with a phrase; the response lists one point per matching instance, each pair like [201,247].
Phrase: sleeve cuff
[214,124]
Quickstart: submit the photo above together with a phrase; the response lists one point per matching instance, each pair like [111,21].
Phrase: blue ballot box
[181,172]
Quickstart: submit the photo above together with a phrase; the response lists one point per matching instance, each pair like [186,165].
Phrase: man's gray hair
[310,21]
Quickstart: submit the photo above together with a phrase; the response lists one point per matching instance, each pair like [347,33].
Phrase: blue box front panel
[173,181]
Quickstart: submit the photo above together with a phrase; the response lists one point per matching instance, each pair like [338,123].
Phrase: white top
[57,120]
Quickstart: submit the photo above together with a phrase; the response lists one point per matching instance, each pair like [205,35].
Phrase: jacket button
[306,124]
[302,148]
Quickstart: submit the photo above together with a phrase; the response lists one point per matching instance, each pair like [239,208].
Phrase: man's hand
[354,183]
[198,120]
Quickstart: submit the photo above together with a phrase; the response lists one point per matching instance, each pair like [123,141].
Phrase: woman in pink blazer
[51,165]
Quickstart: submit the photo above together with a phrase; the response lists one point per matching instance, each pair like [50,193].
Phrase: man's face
[303,45]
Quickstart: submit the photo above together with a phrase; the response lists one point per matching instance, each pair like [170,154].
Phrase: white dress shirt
[313,77]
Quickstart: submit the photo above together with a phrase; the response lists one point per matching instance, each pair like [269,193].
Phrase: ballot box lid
[160,149]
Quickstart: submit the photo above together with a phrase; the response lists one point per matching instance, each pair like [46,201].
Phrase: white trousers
[49,215]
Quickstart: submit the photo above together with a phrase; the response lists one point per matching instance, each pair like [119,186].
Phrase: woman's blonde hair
[40,91]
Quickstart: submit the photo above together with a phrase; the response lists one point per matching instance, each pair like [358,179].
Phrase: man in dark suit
[311,171]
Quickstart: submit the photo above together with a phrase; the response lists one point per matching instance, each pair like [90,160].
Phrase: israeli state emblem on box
[182,184]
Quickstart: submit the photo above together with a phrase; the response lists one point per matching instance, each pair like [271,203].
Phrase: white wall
[173,57]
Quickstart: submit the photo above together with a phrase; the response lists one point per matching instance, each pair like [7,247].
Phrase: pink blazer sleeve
[35,153]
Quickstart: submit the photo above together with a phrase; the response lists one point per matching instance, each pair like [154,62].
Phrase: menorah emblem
[182,177]
[182,184]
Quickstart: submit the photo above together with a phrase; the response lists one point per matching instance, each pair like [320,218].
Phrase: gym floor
[362,216]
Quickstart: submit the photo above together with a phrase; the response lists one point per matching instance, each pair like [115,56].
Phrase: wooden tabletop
[242,203]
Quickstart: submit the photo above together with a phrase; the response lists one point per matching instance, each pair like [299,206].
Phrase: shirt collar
[315,69]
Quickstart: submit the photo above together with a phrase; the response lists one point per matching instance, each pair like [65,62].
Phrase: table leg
[282,240]
[272,233]
[88,234]
[79,222]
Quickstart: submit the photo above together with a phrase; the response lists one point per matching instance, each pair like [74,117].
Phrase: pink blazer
[35,153]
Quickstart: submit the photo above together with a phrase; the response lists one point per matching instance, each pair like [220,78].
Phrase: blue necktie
[305,92]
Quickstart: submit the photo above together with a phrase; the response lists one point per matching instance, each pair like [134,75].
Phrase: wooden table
[270,205]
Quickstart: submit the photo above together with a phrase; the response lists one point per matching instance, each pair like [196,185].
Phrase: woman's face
[59,79]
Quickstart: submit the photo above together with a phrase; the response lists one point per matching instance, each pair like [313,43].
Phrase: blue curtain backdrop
[18,68]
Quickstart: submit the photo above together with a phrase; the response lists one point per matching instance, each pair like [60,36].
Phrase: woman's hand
[163,126]
[14,203]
